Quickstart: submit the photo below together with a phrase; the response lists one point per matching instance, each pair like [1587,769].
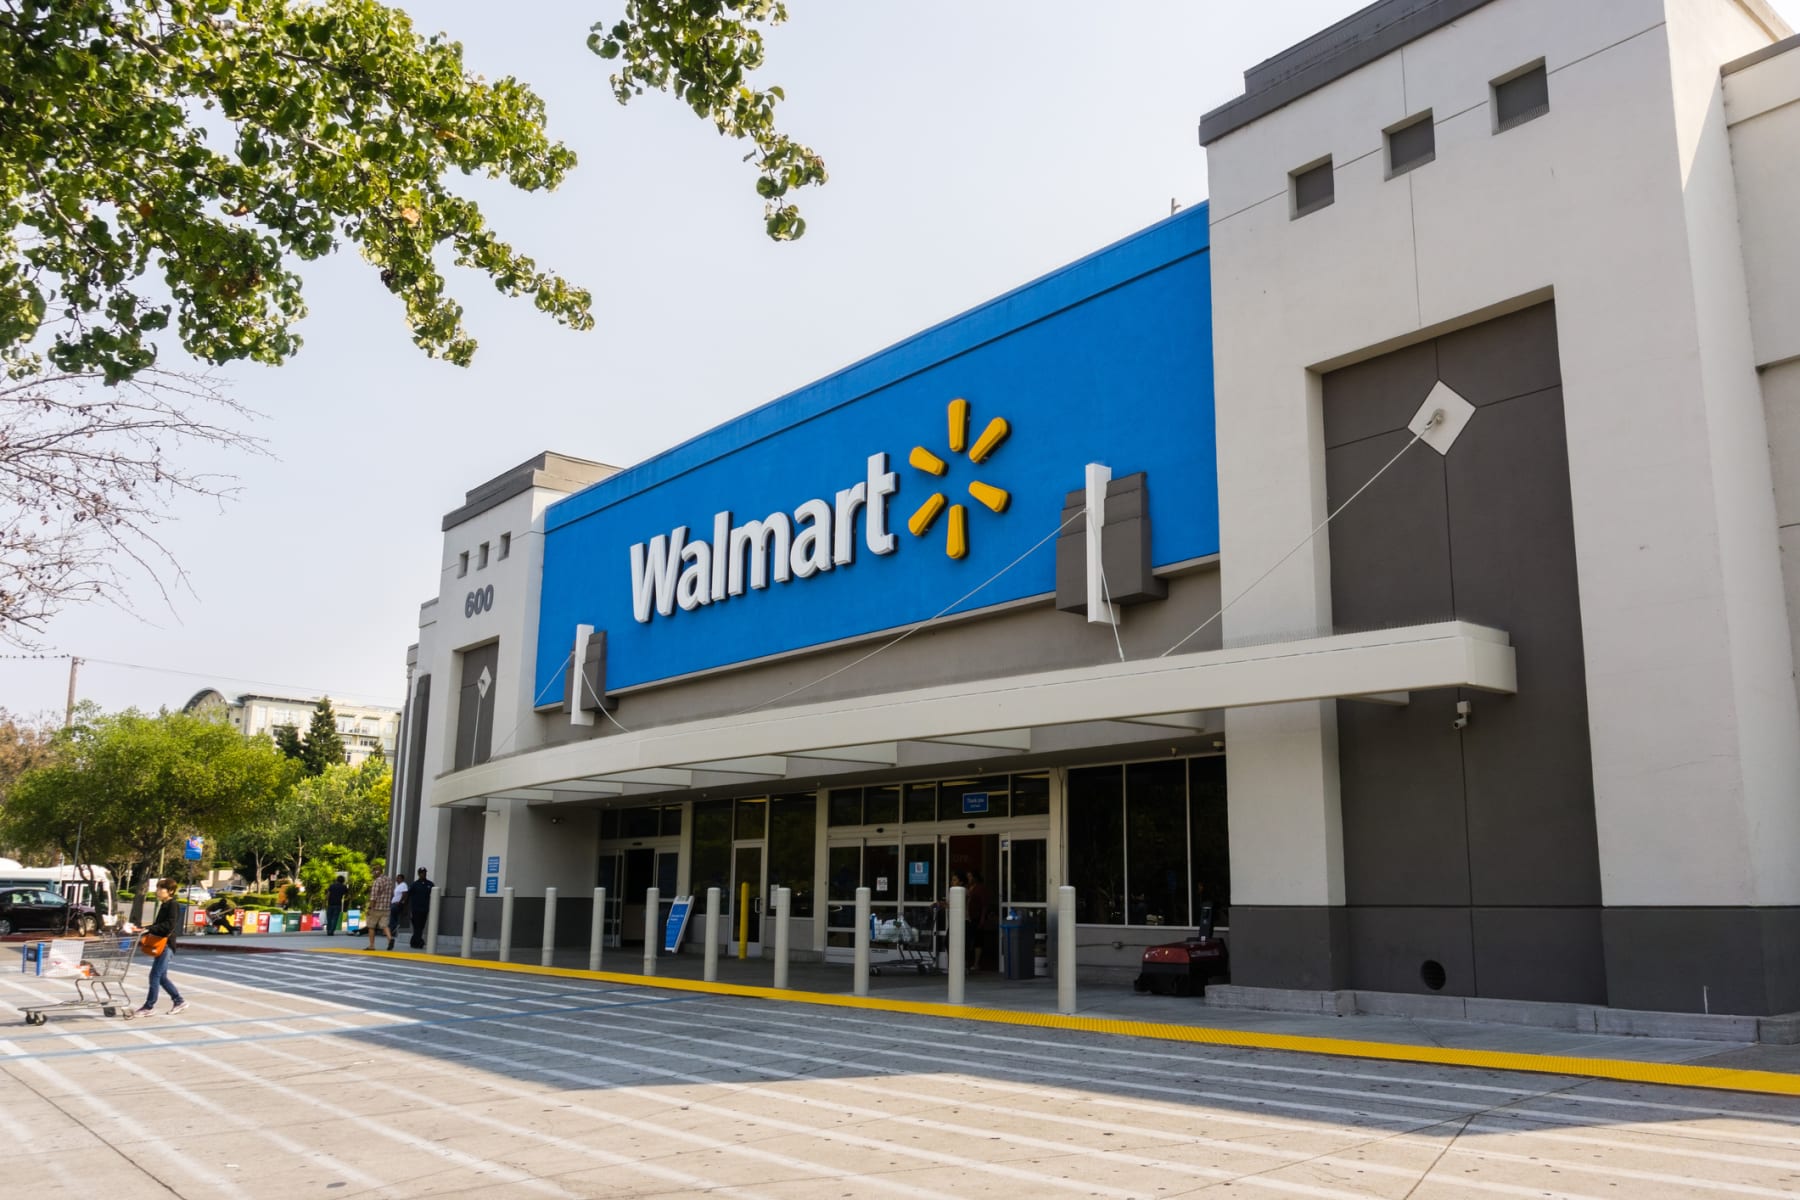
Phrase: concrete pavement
[1119,1010]
[353,1074]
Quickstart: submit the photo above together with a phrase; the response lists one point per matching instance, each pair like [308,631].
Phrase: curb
[1730,1079]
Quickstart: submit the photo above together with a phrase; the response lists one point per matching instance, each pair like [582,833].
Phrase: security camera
[1462,715]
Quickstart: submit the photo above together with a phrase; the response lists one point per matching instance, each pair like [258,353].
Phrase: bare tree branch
[88,473]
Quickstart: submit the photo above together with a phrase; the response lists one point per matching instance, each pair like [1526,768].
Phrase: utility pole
[69,712]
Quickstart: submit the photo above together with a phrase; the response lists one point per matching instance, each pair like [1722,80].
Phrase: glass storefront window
[845,865]
[752,820]
[793,829]
[1031,795]
[638,822]
[881,872]
[881,805]
[845,806]
[1156,842]
[1097,844]
[609,825]
[1210,830]
[711,863]
[671,821]
[921,803]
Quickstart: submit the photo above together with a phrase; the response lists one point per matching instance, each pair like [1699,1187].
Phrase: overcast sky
[972,147]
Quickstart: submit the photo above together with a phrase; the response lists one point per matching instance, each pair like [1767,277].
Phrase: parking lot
[329,1075]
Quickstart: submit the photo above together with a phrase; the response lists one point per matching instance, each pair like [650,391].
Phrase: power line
[346,693]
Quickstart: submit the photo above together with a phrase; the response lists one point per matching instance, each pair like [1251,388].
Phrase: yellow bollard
[744,920]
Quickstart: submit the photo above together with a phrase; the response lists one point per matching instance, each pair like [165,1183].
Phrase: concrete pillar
[468,930]
[959,955]
[597,937]
[506,919]
[652,905]
[549,951]
[711,972]
[783,898]
[431,920]
[861,979]
[1065,949]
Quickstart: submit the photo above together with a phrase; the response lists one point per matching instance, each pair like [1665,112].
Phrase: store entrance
[1007,878]
[747,860]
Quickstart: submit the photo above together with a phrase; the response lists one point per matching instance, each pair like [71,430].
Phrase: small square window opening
[1412,143]
[462,564]
[1521,96]
[481,565]
[505,544]
[1310,188]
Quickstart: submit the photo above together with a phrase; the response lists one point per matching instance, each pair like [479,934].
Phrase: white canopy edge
[1374,663]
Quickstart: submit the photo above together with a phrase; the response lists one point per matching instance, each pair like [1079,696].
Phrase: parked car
[29,910]
[236,887]
[195,894]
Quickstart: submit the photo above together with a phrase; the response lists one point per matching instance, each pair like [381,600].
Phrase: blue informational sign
[195,848]
[493,864]
[918,873]
[676,925]
[877,497]
[975,802]
[492,886]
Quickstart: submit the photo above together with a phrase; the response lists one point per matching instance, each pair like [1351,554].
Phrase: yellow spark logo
[956,537]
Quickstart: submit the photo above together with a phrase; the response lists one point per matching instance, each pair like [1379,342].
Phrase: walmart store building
[1518,723]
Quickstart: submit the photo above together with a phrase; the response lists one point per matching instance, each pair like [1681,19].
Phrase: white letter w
[656,577]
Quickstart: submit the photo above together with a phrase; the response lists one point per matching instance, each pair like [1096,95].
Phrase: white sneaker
[146,1012]
[180,1006]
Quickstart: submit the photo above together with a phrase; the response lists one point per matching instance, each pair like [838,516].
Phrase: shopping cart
[912,947]
[98,966]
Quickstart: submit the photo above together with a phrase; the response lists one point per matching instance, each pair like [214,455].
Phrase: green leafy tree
[328,863]
[703,51]
[24,745]
[323,747]
[168,166]
[217,144]
[130,787]
[287,740]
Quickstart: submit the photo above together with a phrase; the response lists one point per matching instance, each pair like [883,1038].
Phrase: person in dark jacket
[166,925]
[418,903]
[334,904]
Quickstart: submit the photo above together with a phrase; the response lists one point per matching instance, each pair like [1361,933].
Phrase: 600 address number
[478,601]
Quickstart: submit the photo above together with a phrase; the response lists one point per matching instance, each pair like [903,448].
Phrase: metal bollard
[1065,949]
[468,941]
[598,937]
[861,984]
[711,974]
[506,916]
[549,951]
[652,906]
[959,922]
[784,897]
[431,921]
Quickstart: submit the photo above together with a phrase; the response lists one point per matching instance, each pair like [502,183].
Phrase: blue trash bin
[1016,957]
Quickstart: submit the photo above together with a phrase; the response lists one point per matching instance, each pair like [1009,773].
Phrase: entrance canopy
[1000,714]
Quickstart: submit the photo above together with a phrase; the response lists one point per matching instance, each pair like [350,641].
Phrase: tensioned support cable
[1432,422]
[942,612]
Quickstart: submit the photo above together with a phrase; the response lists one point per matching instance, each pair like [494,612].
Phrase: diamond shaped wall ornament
[1440,420]
[483,683]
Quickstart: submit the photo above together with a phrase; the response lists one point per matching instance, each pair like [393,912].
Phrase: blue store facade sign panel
[878,496]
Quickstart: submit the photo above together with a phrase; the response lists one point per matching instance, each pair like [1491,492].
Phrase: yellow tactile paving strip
[1770,1083]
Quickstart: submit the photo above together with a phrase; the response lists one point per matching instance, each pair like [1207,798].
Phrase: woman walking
[166,925]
